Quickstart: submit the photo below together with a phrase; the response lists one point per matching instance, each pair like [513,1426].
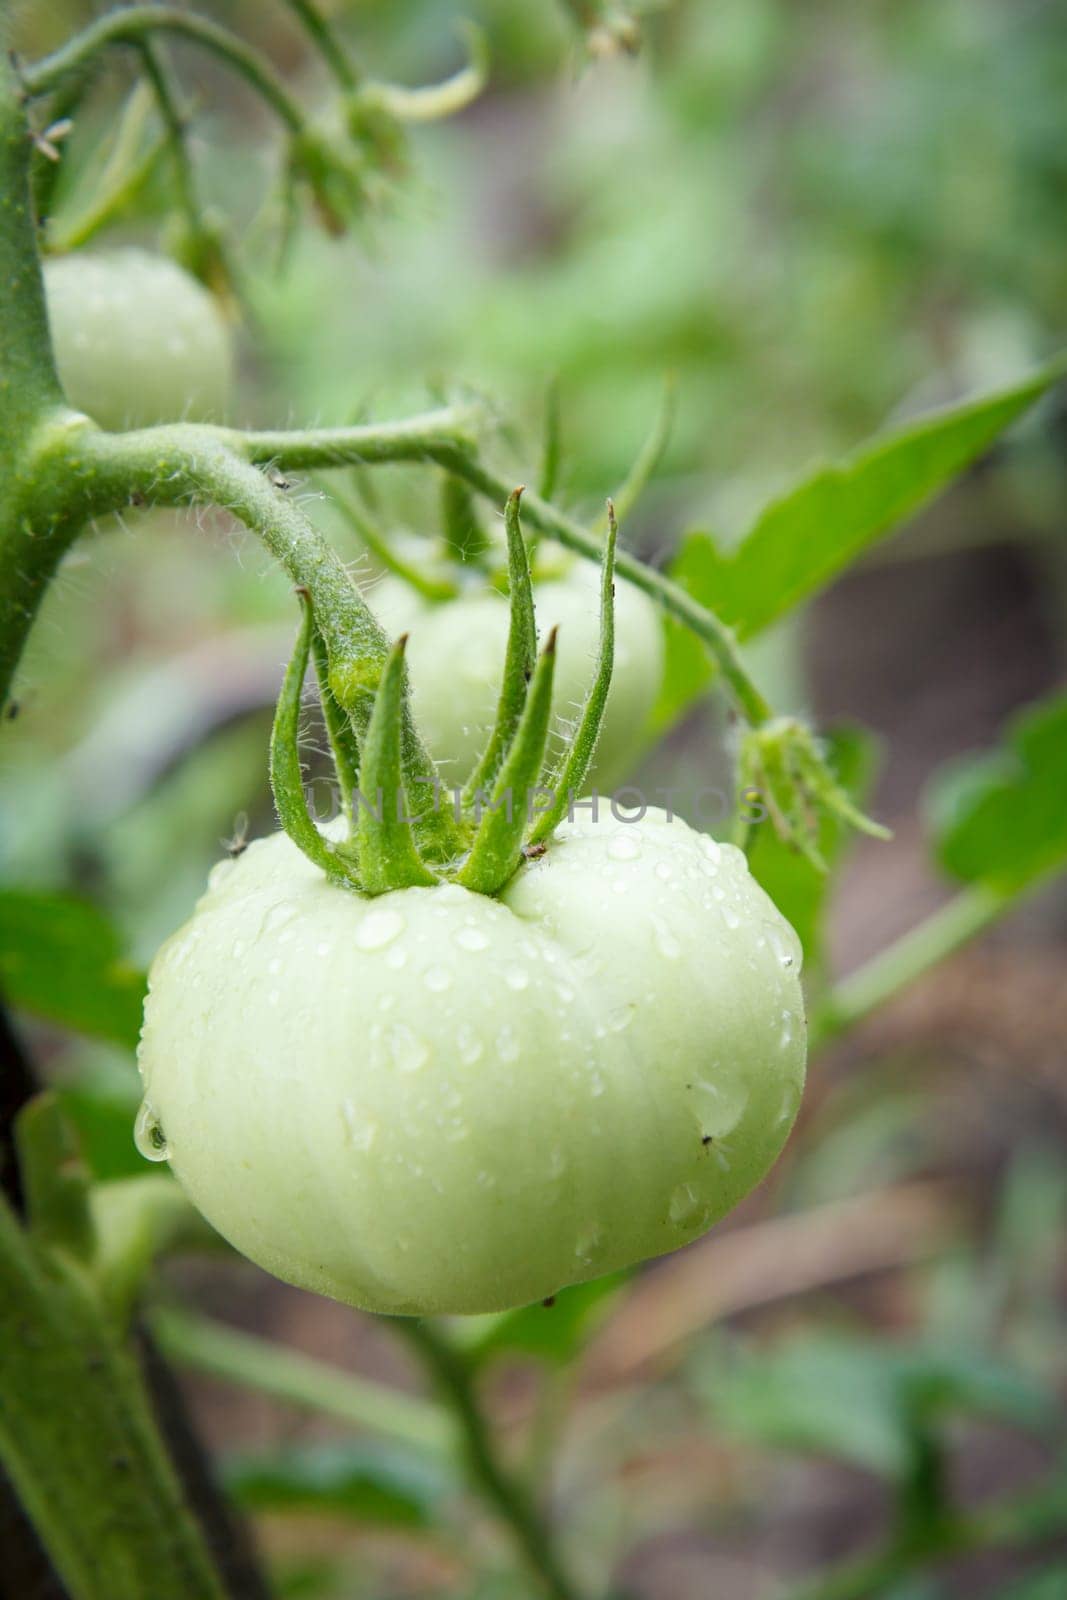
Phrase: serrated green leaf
[804,539]
[62,960]
[377,1483]
[1002,819]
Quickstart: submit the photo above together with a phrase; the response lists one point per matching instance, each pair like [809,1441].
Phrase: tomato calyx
[785,764]
[510,805]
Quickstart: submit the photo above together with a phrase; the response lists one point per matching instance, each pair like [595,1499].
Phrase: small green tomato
[455,650]
[434,1102]
[137,340]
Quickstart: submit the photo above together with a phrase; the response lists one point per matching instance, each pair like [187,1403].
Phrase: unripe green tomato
[455,651]
[137,340]
[433,1101]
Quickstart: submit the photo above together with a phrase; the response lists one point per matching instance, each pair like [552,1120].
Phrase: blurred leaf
[800,542]
[1001,819]
[865,1400]
[102,1103]
[380,1483]
[798,888]
[62,960]
[687,668]
[553,1332]
[55,1177]
[1048,1584]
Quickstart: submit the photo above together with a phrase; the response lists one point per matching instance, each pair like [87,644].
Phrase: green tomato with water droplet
[435,1102]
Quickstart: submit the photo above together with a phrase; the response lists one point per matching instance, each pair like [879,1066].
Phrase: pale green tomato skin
[137,340]
[435,1102]
[455,651]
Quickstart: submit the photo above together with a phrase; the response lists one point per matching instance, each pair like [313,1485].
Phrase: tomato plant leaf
[802,540]
[1001,819]
[380,1483]
[553,1332]
[863,1399]
[62,960]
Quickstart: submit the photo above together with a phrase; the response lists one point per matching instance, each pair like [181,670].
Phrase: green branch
[894,969]
[450,1371]
[29,387]
[134,24]
[335,447]
[187,465]
[78,1439]
[1019,1523]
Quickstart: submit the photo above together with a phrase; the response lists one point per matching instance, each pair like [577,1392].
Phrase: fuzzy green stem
[419,438]
[299,1380]
[29,387]
[79,1442]
[334,447]
[185,464]
[326,42]
[171,111]
[452,1374]
[133,24]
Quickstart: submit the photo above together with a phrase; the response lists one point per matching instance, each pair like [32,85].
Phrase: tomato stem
[452,1374]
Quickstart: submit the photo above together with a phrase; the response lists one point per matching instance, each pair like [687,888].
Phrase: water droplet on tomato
[148,1134]
[666,943]
[379,928]
[589,1245]
[469,1045]
[437,979]
[409,1053]
[518,978]
[507,1044]
[686,1209]
[472,939]
[625,846]
[360,1132]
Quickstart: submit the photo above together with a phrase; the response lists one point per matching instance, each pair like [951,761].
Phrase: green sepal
[571,771]
[786,764]
[286,777]
[344,742]
[497,848]
[55,1178]
[519,657]
[388,855]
